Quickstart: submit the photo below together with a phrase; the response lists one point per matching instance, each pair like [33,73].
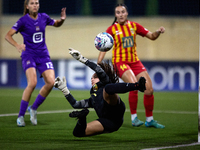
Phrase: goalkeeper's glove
[61,85]
[77,55]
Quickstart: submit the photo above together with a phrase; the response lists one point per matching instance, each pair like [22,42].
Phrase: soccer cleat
[155,124]
[20,121]
[79,114]
[136,122]
[141,84]
[33,115]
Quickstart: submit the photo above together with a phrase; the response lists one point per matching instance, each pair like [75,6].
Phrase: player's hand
[141,84]
[63,13]
[161,30]
[61,85]
[21,47]
[77,55]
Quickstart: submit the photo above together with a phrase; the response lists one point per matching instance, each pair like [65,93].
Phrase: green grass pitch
[178,111]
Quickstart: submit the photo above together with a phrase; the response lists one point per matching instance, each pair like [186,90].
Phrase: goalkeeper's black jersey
[102,108]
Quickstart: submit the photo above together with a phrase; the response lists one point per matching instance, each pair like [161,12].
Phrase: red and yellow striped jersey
[124,48]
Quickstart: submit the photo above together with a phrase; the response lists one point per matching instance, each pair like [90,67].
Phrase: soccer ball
[103,42]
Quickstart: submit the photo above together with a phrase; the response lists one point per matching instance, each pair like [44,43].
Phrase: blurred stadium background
[172,60]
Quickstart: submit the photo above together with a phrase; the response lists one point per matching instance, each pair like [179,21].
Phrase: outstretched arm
[156,34]
[61,85]
[58,23]
[99,71]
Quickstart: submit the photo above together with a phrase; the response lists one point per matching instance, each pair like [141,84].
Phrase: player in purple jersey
[34,55]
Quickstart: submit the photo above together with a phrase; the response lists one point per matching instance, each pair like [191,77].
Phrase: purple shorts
[40,63]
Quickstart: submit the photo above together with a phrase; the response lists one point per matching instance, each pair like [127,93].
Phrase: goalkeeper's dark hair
[109,71]
[116,7]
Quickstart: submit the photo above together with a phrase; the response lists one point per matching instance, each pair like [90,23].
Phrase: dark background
[106,7]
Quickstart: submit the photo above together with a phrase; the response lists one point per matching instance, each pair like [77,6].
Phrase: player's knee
[50,83]
[149,91]
[32,84]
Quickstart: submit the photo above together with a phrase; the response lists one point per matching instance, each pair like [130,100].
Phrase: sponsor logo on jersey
[117,32]
[15,25]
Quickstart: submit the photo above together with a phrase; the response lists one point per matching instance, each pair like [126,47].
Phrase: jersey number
[49,65]
[123,67]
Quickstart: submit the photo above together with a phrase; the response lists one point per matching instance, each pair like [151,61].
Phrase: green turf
[177,111]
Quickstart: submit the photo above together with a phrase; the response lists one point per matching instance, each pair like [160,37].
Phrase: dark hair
[116,7]
[109,71]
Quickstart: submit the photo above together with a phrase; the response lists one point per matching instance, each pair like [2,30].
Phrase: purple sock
[38,101]
[23,108]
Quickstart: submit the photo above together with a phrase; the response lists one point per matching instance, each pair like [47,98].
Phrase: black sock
[121,87]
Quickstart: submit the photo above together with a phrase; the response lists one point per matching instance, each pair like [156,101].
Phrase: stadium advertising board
[8,73]
[166,75]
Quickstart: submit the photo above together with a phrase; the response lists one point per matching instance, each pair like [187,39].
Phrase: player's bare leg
[49,77]
[129,77]
[149,101]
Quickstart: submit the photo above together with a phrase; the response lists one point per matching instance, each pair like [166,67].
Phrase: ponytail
[114,20]
[26,11]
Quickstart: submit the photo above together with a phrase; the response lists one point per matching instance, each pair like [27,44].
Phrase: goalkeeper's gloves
[77,55]
[61,85]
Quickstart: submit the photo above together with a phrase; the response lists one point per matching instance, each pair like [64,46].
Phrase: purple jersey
[33,32]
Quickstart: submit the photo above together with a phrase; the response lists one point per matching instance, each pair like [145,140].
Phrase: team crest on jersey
[132,30]
[28,62]
[37,28]
[95,87]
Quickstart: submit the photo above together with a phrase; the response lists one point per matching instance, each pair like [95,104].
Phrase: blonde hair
[26,11]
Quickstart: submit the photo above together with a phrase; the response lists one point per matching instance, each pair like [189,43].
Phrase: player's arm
[103,77]
[9,38]
[101,57]
[58,23]
[156,34]
[61,85]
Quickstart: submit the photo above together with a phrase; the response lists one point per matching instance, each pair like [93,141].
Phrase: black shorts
[109,126]
[112,120]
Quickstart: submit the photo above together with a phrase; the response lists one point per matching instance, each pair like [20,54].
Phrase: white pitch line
[127,110]
[184,145]
[40,112]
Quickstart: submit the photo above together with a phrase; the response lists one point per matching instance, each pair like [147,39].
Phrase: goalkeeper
[104,99]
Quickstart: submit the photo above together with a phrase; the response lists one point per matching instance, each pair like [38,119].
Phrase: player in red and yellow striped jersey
[127,63]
